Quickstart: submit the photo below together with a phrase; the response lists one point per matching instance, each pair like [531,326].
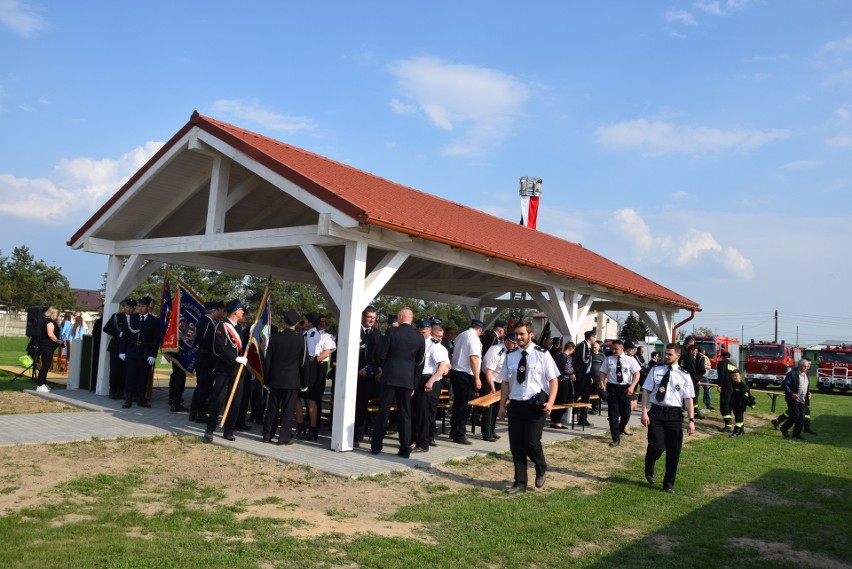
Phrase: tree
[634,330]
[703,331]
[26,282]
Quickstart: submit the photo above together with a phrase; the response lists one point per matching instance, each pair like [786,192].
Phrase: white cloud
[840,141]
[479,105]
[22,18]
[680,17]
[843,113]
[655,138]
[680,196]
[251,111]
[722,7]
[75,186]
[694,249]
[800,165]
[837,52]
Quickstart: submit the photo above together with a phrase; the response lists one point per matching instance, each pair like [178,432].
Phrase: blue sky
[706,145]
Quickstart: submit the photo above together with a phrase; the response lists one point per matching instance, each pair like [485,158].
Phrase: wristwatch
[692,419]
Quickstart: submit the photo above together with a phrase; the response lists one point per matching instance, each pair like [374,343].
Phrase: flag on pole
[259,337]
[179,345]
[530,194]
[166,306]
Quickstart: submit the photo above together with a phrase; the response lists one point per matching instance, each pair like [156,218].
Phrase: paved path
[107,420]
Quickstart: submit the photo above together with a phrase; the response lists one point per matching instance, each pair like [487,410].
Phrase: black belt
[665,408]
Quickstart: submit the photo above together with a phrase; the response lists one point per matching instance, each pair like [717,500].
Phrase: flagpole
[245,353]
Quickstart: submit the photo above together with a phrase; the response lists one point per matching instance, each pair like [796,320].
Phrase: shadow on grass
[785,518]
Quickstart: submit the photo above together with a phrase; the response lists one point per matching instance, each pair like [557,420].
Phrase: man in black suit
[139,346]
[115,327]
[582,361]
[367,385]
[284,366]
[400,358]
[228,348]
[205,360]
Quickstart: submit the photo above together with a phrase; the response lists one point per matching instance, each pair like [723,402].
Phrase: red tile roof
[376,201]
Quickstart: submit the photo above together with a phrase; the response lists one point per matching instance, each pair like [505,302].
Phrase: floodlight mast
[530,193]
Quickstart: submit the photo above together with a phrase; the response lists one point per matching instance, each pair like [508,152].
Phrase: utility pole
[776,326]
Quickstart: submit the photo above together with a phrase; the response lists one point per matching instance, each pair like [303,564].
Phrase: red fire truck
[713,348]
[835,369]
[769,362]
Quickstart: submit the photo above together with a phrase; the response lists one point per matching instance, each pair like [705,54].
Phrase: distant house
[87,300]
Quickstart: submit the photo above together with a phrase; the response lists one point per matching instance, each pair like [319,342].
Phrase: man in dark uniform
[367,385]
[492,338]
[400,358]
[228,348]
[725,382]
[97,331]
[205,360]
[139,346]
[115,327]
[285,364]
[582,363]
[669,389]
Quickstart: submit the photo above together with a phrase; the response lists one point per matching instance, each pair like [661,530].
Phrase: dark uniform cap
[436,321]
[477,323]
[500,324]
[313,317]
[628,345]
[511,337]
[392,319]
[213,305]
[233,306]
[590,334]
[424,323]
[291,317]
[130,302]
[146,300]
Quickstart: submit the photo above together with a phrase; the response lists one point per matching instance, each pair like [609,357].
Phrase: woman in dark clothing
[48,343]
[565,393]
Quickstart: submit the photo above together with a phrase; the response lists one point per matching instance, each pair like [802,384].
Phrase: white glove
[151,360]
[122,357]
[242,360]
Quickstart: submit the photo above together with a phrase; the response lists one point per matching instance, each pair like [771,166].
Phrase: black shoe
[669,490]
[737,432]
[810,431]
[516,489]
[496,436]
[650,478]
[404,454]
[462,441]
[432,443]
[229,437]
[558,426]
[586,423]
[127,405]
[785,434]
[313,434]
[540,479]
[775,424]
[489,439]
[267,439]
[420,449]
[178,408]
[192,414]
[208,437]
[614,443]
[374,451]
[144,403]
[287,442]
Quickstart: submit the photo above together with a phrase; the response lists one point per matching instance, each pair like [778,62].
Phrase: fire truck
[713,348]
[835,369]
[769,362]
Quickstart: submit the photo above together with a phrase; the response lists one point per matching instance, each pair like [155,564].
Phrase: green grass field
[757,501]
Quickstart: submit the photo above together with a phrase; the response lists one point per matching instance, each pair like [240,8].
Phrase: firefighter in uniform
[741,398]
[723,370]
[669,390]
[205,360]
[138,350]
[228,348]
[115,327]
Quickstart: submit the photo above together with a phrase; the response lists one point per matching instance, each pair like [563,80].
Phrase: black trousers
[117,375]
[203,388]
[434,399]
[177,385]
[795,416]
[564,394]
[526,423]
[463,392]
[247,384]
[136,381]
[618,409]
[420,413]
[367,389]
[401,397]
[665,434]
[282,409]
[725,403]
[222,384]
[46,355]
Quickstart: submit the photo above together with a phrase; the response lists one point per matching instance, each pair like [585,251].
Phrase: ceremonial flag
[530,194]
[166,307]
[179,344]
[259,337]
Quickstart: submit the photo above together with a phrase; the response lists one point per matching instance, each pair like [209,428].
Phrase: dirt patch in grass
[18,402]
[778,551]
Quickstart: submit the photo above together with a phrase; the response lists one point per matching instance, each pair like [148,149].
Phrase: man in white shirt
[437,360]
[669,389]
[529,378]
[466,361]
[619,376]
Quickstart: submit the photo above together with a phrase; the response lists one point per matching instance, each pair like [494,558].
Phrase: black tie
[522,367]
[661,390]
[618,372]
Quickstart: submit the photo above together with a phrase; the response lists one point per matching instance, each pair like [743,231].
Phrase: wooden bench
[445,405]
[573,406]
[483,402]
[772,394]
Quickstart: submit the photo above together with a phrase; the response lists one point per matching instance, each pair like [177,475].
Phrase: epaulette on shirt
[540,349]
[501,352]
[313,334]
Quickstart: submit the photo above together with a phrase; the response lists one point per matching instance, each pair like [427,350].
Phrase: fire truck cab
[769,362]
[835,369]
[713,348]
